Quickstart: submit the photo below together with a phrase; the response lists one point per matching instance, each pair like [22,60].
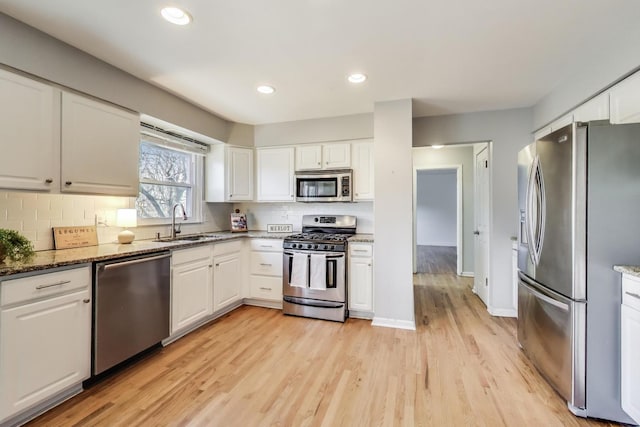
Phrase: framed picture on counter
[238,222]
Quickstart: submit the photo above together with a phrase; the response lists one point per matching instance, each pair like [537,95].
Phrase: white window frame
[197,196]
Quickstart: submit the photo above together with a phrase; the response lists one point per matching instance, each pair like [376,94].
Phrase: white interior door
[481,231]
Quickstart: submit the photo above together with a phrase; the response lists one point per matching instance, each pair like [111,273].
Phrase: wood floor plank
[257,367]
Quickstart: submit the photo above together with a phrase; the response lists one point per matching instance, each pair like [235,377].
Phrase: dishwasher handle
[119,264]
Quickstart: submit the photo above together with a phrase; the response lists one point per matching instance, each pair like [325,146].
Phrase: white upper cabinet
[625,101]
[275,174]
[323,156]
[229,174]
[99,147]
[336,156]
[595,109]
[29,133]
[363,175]
[562,122]
[308,157]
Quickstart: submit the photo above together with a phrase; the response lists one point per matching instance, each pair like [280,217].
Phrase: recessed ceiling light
[176,15]
[437,146]
[357,78]
[265,89]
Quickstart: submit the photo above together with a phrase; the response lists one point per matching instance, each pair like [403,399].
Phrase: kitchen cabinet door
[630,342]
[240,173]
[99,147]
[45,348]
[29,131]
[624,101]
[361,280]
[363,176]
[594,109]
[227,280]
[275,174]
[192,288]
[336,156]
[229,174]
[309,157]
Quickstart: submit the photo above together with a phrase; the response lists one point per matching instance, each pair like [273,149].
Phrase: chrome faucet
[176,229]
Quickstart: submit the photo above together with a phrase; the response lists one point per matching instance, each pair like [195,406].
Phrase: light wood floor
[437,259]
[257,367]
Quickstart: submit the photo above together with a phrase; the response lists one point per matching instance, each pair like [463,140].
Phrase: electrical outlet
[101,220]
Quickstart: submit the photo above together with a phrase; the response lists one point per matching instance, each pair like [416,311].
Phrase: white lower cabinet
[630,347]
[265,270]
[191,287]
[45,338]
[227,279]
[361,280]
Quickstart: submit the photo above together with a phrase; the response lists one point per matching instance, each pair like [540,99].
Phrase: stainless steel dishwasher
[131,307]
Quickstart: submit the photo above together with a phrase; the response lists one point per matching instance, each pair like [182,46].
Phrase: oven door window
[316,187]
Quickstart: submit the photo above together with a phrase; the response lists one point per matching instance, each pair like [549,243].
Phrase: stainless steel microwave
[324,186]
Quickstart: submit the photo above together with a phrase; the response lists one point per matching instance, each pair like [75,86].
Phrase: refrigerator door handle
[527,284]
[542,209]
[528,211]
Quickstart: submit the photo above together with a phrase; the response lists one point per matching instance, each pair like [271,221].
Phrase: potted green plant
[14,246]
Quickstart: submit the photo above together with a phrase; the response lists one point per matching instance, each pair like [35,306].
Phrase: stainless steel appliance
[324,186]
[319,252]
[131,308]
[579,199]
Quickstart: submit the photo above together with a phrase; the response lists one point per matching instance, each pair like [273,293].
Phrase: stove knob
[332,247]
[293,245]
[309,246]
[325,247]
[315,246]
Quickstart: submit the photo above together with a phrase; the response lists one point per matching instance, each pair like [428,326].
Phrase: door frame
[459,213]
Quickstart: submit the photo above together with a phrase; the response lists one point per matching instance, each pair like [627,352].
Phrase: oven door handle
[334,256]
[313,303]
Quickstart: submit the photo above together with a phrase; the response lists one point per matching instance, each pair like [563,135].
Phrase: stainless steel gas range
[314,268]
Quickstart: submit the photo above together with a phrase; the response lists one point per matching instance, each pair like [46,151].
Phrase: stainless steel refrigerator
[579,201]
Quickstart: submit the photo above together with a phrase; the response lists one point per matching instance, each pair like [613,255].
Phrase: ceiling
[449,56]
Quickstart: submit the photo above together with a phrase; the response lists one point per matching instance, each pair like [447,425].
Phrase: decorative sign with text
[75,237]
[279,228]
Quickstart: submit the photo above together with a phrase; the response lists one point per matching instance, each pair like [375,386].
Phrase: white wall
[508,131]
[33,215]
[261,214]
[29,50]
[357,126]
[427,157]
[436,208]
[393,211]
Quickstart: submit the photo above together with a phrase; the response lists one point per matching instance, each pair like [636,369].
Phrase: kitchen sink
[191,238]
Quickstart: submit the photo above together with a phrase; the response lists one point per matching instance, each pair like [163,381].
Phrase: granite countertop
[63,257]
[361,237]
[632,270]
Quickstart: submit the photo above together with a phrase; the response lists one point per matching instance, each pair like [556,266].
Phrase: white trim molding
[503,312]
[394,323]
[467,274]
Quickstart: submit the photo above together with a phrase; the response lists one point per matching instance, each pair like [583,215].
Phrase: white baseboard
[355,314]
[263,303]
[467,274]
[394,323]
[503,312]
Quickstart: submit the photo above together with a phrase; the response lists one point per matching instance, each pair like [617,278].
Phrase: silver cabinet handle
[68,183]
[265,289]
[476,233]
[266,246]
[360,250]
[86,300]
[631,294]
[264,264]
[48,180]
[60,283]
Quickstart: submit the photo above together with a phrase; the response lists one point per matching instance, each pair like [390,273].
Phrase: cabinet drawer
[266,245]
[227,247]
[266,287]
[631,291]
[266,263]
[360,250]
[183,256]
[44,285]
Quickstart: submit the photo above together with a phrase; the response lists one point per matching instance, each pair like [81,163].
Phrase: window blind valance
[172,140]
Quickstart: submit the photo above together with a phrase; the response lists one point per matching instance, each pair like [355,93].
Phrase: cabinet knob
[48,180]
[210,265]
[68,183]
[218,265]
[318,163]
[86,300]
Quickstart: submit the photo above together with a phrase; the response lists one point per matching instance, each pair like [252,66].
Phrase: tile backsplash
[261,214]
[34,214]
